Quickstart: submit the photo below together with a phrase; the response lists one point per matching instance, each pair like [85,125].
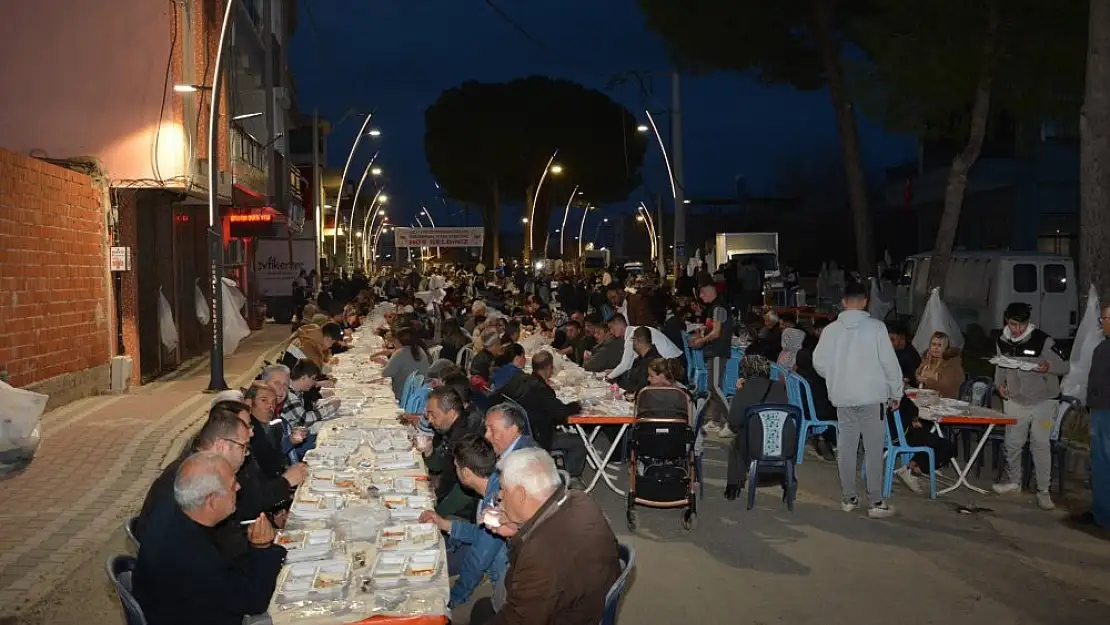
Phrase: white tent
[936,318]
[1087,337]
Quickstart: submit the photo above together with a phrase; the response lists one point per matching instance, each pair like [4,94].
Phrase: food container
[407,508]
[408,537]
[321,580]
[306,545]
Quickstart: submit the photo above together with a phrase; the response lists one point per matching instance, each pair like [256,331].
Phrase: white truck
[277,263]
[980,285]
[759,247]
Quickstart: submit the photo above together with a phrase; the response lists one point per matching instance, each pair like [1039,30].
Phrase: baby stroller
[661,470]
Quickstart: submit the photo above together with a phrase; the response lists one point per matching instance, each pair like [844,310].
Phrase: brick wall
[55,302]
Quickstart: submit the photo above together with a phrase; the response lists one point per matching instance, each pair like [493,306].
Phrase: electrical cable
[165,89]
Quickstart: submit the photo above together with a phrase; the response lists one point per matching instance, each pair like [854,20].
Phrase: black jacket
[544,409]
[258,492]
[182,578]
[449,489]
[269,458]
[1098,380]
[605,356]
[636,377]
[228,537]
[481,364]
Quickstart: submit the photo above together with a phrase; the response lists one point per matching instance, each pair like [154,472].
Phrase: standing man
[1030,397]
[716,345]
[857,360]
[1098,400]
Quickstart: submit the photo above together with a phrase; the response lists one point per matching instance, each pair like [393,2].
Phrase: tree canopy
[489,142]
[925,59]
[795,42]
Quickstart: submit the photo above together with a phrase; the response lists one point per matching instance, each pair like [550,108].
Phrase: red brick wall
[55,305]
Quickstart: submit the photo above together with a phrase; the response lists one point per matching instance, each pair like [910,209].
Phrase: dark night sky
[398,55]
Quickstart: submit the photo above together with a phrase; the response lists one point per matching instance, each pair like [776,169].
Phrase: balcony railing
[248,158]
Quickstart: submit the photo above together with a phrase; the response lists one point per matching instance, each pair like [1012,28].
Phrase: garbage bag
[235,327]
[238,300]
[1087,337]
[20,413]
[937,318]
[204,312]
[165,322]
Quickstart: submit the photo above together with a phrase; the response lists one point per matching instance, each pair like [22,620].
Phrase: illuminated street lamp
[642,128]
[377,171]
[565,214]
[554,169]
[374,132]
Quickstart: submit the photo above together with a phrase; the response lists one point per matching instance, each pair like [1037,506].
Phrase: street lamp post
[428,214]
[644,215]
[216,380]
[530,228]
[562,229]
[343,182]
[354,204]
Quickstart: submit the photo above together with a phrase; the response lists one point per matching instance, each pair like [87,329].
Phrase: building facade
[126,92]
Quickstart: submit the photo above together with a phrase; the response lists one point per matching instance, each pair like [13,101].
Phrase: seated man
[473,551]
[551,579]
[482,362]
[636,377]
[223,434]
[446,413]
[607,351]
[181,577]
[296,413]
[619,328]
[545,411]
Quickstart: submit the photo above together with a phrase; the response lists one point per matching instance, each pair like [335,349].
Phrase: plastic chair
[700,377]
[732,374]
[413,382]
[129,529]
[894,450]
[688,353]
[627,557]
[120,569]
[772,432]
[463,358]
[800,394]
[418,400]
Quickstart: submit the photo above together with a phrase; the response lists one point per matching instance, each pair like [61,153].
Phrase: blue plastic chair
[778,372]
[120,570]
[779,425]
[627,557]
[418,400]
[800,394]
[129,529]
[895,450]
[732,374]
[700,378]
[413,382]
[688,353]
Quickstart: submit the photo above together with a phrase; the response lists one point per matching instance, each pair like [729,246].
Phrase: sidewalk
[94,464]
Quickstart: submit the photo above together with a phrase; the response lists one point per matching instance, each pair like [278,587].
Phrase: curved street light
[343,182]
[555,169]
[354,202]
[563,228]
[645,216]
[428,214]
[582,227]
[597,230]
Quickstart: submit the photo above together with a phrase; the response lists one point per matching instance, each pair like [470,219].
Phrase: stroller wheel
[633,520]
[689,520]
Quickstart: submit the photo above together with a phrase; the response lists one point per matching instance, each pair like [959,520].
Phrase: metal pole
[676,153]
[215,230]
[354,202]
[563,228]
[660,264]
[582,227]
[532,213]
[318,205]
[428,214]
[343,183]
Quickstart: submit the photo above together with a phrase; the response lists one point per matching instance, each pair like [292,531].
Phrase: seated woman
[663,373]
[452,340]
[753,387]
[940,370]
[410,357]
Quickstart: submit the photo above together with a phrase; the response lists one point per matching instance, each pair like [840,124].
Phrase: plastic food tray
[407,508]
[392,568]
[321,580]
[304,545]
[408,537]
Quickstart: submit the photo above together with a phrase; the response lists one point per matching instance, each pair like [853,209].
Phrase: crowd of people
[208,523]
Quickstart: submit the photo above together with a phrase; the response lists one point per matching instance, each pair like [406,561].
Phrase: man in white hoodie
[861,370]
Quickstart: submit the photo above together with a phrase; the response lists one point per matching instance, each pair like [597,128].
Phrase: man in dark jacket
[1098,400]
[636,377]
[608,351]
[547,580]
[819,391]
[545,411]
[446,412]
[182,577]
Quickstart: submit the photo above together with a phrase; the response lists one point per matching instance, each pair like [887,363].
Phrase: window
[1055,278]
[907,273]
[1025,278]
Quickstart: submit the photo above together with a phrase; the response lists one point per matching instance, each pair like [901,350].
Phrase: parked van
[980,285]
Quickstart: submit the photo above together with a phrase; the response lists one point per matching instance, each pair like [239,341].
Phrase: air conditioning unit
[236,253]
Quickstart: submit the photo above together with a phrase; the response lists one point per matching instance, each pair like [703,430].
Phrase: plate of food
[389,568]
[408,537]
[407,508]
[322,508]
[422,567]
[304,545]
